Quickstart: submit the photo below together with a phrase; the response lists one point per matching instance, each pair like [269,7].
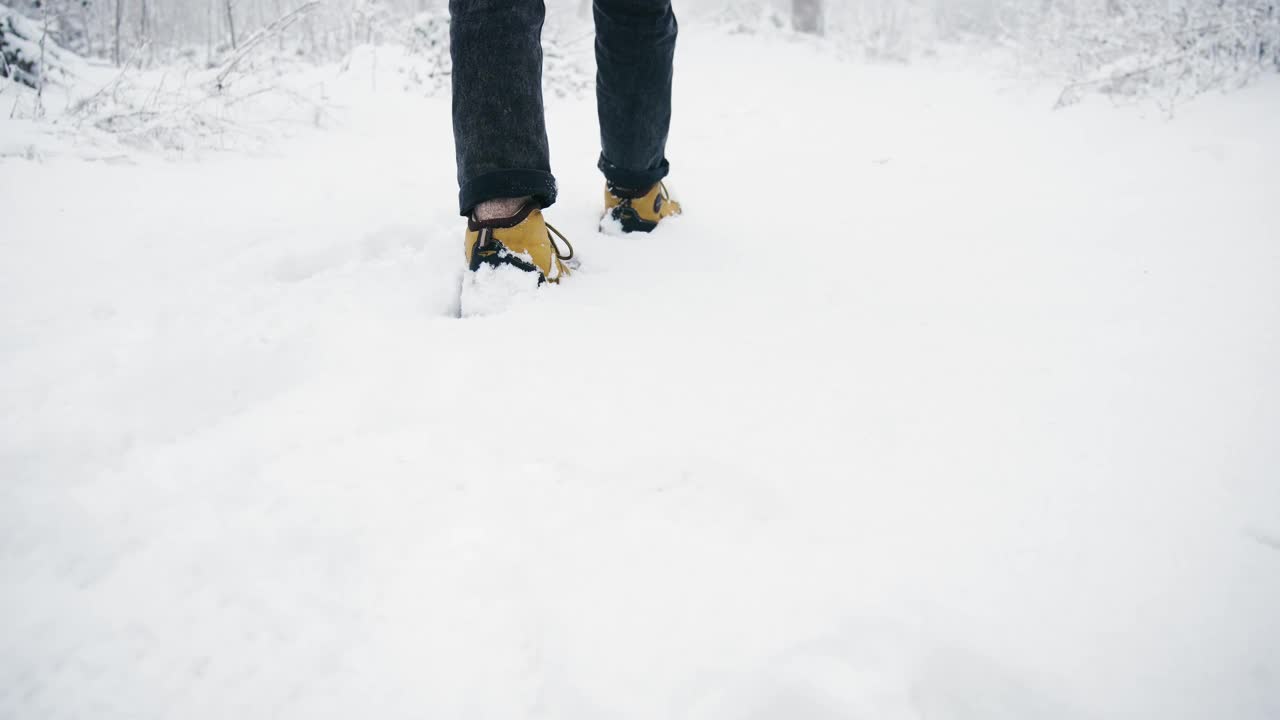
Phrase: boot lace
[555,247]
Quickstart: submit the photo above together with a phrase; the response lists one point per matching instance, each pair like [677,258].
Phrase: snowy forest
[178,60]
[1199,44]
[937,377]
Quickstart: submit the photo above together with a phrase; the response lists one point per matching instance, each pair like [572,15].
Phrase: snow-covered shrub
[426,40]
[256,92]
[417,51]
[26,53]
[1164,48]
[189,109]
[1173,50]
[1169,49]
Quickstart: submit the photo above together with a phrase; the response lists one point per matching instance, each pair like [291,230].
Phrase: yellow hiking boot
[637,210]
[510,257]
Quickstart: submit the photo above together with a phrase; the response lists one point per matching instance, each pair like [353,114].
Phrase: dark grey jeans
[498,128]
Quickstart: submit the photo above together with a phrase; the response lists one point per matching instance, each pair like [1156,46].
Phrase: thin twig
[112,86]
[270,30]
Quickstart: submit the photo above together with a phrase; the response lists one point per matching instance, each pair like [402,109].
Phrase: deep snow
[934,404]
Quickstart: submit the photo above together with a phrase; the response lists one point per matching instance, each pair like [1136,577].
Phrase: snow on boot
[509,258]
[636,210]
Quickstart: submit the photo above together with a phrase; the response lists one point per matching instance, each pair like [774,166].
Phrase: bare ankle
[499,208]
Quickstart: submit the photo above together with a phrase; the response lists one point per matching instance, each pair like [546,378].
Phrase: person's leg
[499,132]
[635,44]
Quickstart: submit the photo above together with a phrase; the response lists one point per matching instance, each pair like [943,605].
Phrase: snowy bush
[1179,50]
[417,52]
[188,106]
[187,112]
[27,54]
[428,39]
[1167,48]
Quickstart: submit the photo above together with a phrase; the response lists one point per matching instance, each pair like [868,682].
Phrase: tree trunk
[806,16]
[210,21]
[115,52]
[44,34]
[231,24]
[88,30]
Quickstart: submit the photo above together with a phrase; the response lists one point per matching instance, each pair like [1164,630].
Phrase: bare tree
[806,16]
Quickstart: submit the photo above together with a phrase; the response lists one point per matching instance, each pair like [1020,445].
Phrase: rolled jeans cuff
[539,184]
[633,179]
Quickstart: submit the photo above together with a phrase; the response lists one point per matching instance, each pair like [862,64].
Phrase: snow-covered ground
[935,404]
